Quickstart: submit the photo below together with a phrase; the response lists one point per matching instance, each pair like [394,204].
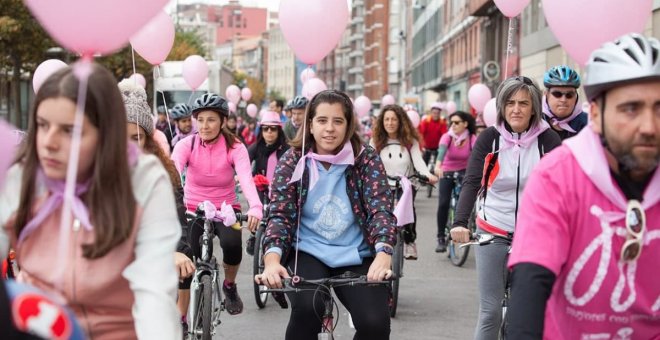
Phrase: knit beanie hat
[137,109]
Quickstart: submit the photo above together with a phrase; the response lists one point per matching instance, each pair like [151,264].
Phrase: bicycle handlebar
[298,284]
[481,239]
[421,179]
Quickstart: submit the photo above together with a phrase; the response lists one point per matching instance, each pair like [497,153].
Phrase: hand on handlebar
[460,235]
[273,272]
[433,180]
[252,223]
[380,269]
[184,266]
[438,170]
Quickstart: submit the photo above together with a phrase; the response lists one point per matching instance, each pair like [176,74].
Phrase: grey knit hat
[137,109]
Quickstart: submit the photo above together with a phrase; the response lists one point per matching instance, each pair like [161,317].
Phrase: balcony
[356,53]
[356,69]
[355,87]
[356,36]
[357,19]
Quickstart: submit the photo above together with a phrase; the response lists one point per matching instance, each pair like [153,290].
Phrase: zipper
[515,221]
[76,229]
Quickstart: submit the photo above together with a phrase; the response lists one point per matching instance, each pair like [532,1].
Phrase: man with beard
[587,251]
[297,107]
[182,116]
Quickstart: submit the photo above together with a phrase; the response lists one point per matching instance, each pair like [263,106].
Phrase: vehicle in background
[169,83]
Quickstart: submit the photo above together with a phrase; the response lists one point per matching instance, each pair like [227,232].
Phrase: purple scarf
[458,139]
[345,156]
[526,138]
[179,136]
[562,122]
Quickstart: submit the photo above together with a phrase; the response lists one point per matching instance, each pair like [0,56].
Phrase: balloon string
[302,153]
[509,46]
[167,111]
[82,71]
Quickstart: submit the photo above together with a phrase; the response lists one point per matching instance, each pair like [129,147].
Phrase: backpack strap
[541,146]
[192,147]
[489,165]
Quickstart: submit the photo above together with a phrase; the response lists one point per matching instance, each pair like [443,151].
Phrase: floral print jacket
[367,189]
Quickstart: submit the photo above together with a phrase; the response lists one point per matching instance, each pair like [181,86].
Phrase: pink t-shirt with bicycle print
[571,221]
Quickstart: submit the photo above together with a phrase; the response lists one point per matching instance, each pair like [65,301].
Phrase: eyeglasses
[269,128]
[635,228]
[455,122]
[559,94]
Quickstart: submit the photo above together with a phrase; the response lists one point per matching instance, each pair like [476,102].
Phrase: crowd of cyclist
[330,204]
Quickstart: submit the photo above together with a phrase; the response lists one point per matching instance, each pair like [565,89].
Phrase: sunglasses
[524,80]
[455,122]
[559,94]
[635,228]
[269,128]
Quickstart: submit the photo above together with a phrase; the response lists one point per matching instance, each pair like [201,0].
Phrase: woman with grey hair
[502,159]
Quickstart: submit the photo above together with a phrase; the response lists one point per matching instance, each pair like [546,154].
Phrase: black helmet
[210,101]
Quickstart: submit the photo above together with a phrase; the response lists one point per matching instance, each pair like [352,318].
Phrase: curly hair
[406,134]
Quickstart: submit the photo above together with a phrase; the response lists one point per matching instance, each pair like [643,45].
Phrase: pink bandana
[458,139]
[525,139]
[562,123]
[404,208]
[345,156]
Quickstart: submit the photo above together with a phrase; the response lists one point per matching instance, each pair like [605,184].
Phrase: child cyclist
[340,189]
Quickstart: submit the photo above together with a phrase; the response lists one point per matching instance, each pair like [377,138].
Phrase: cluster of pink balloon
[234,94]
[567,20]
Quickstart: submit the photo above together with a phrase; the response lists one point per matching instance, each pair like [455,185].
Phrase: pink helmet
[270,118]
[438,105]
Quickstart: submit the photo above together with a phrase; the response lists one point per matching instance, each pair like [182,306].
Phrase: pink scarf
[458,139]
[563,122]
[590,156]
[270,166]
[525,139]
[404,208]
[345,156]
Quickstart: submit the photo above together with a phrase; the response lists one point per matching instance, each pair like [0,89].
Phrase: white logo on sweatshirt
[333,216]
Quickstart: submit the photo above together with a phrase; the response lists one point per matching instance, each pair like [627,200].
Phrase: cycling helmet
[287,107]
[631,58]
[210,101]
[438,105]
[561,75]
[299,102]
[180,111]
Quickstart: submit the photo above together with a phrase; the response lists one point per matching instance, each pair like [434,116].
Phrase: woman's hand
[253,223]
[184,265]
[381,268]
[460,234]
[273,272]
[438,169]
[433,179]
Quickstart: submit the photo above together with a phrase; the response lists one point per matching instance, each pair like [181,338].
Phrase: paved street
[437,300]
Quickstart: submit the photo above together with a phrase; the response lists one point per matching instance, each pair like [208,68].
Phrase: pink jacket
[210,173]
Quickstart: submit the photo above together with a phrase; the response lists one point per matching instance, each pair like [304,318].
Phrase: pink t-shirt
[569,225]
[456,157]
[210,173]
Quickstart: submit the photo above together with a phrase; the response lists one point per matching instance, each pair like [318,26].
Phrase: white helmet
[631,58]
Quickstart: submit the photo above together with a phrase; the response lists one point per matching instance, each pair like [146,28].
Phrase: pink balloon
[90,27]
[307,74]
[478,96]
[490,113]
[450,107]
[312,28]
[232,107]
[362,106]
[233,94]
[161,140]
[414,118]
[511,8]
[154,41]
[246,94]
[566,20]
[252,110]
[312,87]
[44,70]
[195,71]
[138,79]
[387,99]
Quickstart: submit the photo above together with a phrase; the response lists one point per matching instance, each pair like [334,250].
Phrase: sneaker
[280,299]
[411,251]
[249,245]
[233,302]
[442,246]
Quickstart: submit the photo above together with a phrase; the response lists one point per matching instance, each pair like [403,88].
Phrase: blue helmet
[210,101]
[180,111]
[561,75]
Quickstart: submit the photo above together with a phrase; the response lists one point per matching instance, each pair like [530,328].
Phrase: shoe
[280,299]
[442,246]
[233,302]
[249,245]
[411,251]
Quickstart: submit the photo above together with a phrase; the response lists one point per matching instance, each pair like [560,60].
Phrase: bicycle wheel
[206,306]
[397,270]
[258,267]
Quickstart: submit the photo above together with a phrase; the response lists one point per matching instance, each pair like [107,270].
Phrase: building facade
[356,44]
[376,33]
[281,71]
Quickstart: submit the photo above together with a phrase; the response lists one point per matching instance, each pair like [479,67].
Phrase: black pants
[410,229]
[230,241]
[368,305]
[446,187]
[428,153]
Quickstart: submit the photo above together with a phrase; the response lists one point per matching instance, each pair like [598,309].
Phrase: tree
[258,89]
[186,44]
[23,44]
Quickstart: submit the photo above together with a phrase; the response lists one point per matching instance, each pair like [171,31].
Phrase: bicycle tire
[258,267]
[397,270]
[206,306]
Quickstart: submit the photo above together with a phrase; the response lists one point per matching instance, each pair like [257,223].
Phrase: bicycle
[397,254]
[457,256]
[206,301]
[484,239]
[298,284]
